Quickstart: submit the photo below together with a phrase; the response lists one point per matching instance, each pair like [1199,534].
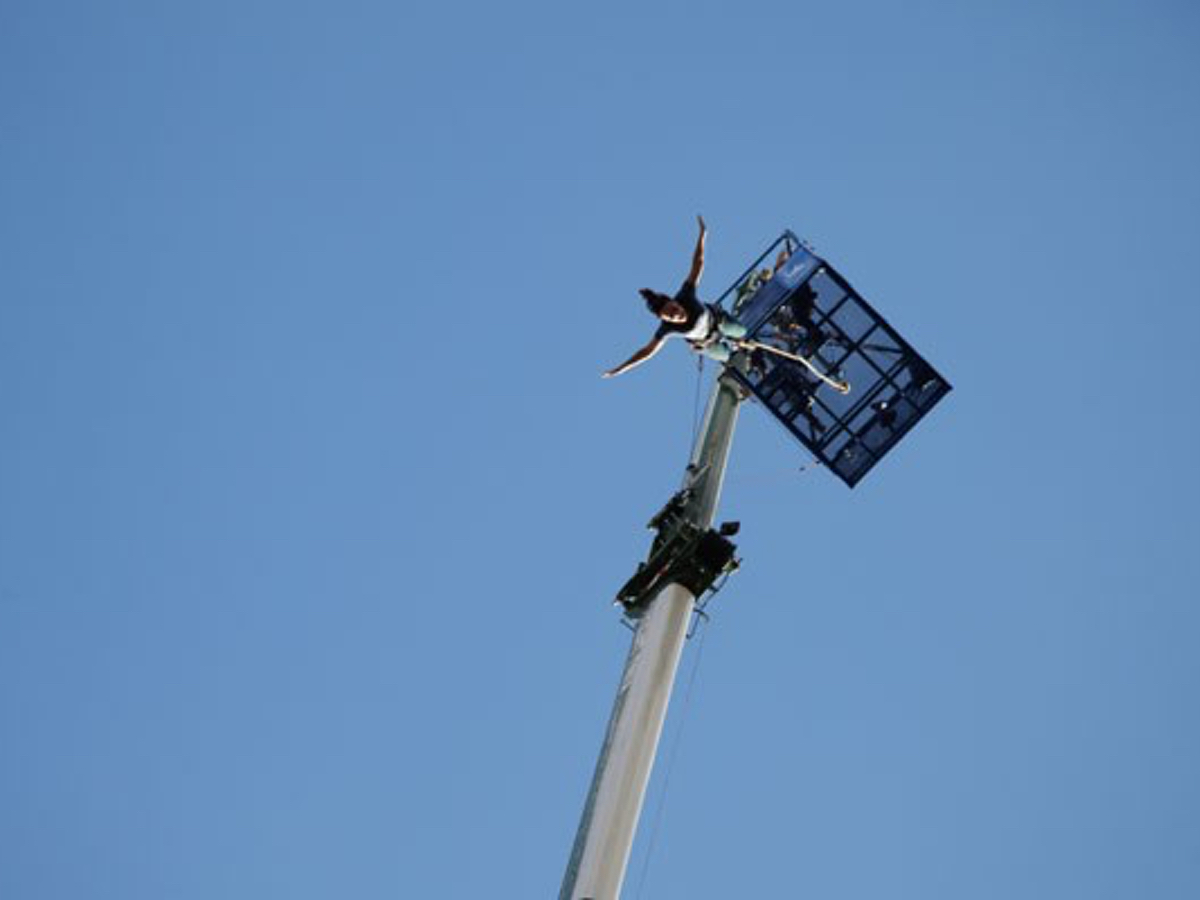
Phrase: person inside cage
[702,325]
[756,279]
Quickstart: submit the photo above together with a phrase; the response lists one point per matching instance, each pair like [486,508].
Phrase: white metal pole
[602,845]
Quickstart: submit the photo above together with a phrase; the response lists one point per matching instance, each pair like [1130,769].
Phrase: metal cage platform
[803,307]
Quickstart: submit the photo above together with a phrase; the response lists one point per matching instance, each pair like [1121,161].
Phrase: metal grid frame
[849,436]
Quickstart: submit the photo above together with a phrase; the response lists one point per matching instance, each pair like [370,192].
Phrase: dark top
[685,297]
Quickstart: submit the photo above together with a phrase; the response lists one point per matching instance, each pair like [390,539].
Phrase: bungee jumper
[710,330]
[702,325]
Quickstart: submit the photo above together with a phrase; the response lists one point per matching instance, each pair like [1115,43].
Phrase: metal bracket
[682,553]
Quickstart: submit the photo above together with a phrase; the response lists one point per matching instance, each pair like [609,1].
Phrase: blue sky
[312,500]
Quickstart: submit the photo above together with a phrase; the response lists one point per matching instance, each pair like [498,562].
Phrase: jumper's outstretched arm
[698,255]
[637,359]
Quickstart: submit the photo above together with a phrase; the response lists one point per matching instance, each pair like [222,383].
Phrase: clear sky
[312,501]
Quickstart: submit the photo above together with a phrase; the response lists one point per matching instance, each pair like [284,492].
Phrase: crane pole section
[603,842]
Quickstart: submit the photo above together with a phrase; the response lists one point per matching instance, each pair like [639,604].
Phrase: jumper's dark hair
[654,300]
